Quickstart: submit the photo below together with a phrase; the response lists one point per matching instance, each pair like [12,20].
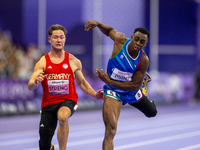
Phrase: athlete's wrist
[35,84]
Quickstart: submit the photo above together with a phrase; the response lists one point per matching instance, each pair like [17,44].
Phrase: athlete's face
[57,39]
[138,41]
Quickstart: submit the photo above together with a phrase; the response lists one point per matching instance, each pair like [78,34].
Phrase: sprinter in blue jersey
[126,70]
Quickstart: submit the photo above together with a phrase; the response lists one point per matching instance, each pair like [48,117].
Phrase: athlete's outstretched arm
[105,29]
[84,85]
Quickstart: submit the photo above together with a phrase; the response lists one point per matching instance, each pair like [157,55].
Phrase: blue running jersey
[121,68]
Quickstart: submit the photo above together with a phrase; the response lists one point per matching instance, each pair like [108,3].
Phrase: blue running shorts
[124,97]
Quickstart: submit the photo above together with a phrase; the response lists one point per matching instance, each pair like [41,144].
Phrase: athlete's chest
[58,78]
[57,68]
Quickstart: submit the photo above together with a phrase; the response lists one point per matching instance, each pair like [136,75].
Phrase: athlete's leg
[111,112]
[63,130]
[48,125]
[146,106]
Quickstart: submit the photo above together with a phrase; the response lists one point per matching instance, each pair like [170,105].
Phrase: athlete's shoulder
[41,64]
[43,58]
[144,55]
[120,37]
[73,58]
[144,61]
[75,61]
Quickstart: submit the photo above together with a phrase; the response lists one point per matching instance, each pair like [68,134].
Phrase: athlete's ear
[131,36]
[49,39]
[146,43]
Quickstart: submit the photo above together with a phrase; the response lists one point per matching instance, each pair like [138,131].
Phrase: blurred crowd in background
[16,61]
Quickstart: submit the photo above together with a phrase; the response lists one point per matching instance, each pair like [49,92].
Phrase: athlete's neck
[57,53]
[57,56]
[133,54]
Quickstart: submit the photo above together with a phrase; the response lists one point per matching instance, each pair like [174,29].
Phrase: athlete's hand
[91,24]
[103,76]
[99,94]
[39,78]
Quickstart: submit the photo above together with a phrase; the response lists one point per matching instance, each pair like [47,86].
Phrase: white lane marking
[190,147]
[118,136]
[159,140]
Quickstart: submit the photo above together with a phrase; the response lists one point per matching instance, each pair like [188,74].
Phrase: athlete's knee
[63,120]
[63,116]
[110,131]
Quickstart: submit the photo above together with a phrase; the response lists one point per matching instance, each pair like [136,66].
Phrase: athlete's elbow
[134,89]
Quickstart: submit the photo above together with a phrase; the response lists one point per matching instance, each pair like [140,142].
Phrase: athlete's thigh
[65,109]
[48,119]
[111,111]
[64,113]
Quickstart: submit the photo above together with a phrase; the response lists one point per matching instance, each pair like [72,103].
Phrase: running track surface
[176,127]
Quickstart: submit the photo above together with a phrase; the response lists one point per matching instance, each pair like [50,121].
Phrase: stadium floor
[176,127]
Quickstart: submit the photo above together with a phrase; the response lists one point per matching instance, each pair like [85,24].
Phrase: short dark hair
[143,30]
[56,27]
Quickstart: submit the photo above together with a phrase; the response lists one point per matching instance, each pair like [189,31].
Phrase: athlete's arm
[38,74]
[136,82]
[118,37]
[105,29]
[83,84]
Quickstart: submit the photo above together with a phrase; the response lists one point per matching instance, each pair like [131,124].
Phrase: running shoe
[52,147]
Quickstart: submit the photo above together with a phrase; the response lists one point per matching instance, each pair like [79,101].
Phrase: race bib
[112,93]
[138,95]
[58,87]
[121,75]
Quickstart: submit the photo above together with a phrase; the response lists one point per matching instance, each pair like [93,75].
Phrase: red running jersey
[59,84]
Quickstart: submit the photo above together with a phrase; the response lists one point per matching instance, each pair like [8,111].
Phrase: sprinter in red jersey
[56,71]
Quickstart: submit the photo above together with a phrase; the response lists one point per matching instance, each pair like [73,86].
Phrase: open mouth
[136,48]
